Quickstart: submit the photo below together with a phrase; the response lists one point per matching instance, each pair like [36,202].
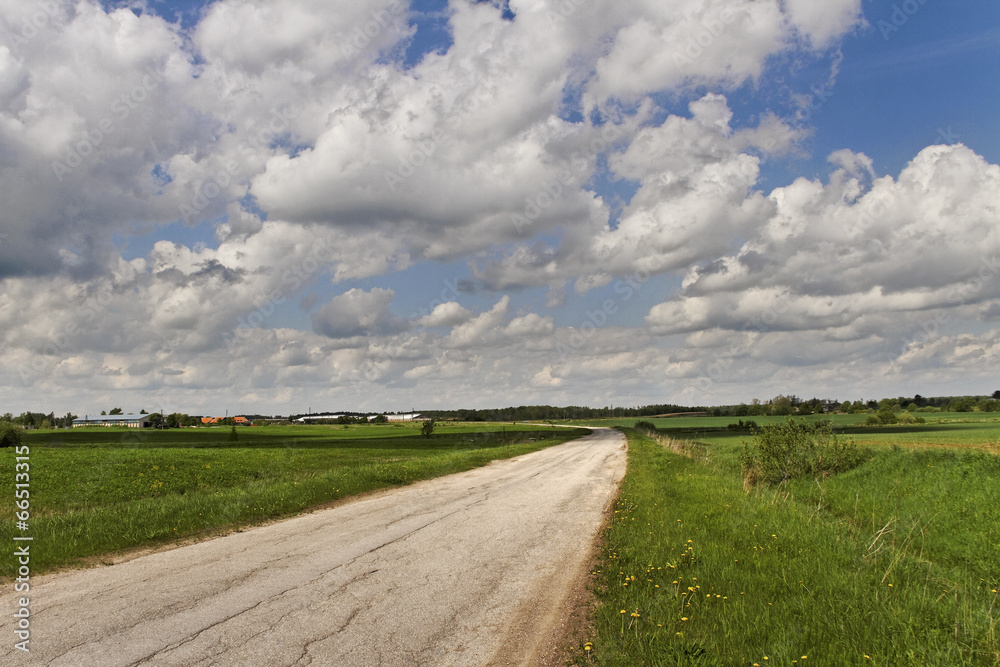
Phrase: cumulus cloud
[697,178]
[357,313]
[445,315]
[833,253]
[314,157]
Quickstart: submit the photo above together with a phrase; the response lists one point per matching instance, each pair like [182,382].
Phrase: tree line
[780,405]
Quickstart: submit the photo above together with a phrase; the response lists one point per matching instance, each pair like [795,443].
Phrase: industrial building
[129,421]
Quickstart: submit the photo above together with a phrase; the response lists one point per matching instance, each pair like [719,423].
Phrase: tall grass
[896,562]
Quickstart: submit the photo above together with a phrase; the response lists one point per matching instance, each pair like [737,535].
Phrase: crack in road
[439,572]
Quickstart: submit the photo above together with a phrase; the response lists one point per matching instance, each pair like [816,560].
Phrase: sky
[271,206]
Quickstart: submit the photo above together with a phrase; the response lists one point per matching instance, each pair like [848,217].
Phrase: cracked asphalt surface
[470,569]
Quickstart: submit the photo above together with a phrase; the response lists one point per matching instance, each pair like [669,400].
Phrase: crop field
[98,491]
[893,562]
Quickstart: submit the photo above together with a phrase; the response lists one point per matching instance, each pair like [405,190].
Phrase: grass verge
[896,562]
[91,497]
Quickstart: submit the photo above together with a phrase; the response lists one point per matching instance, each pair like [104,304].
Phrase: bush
[427,428]
[907,418]
[642,425]
[797,449]
[10,435]
[749,425]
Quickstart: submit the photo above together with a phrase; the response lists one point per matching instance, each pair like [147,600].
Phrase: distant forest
[779,405]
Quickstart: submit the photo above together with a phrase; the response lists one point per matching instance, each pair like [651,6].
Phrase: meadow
[96,492]
[895,562]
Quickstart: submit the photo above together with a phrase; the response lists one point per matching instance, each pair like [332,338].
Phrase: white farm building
[411,417]
[130,421]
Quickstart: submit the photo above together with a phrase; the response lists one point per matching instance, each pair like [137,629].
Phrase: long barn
[128,421]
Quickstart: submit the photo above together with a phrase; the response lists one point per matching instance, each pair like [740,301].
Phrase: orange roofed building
[216,420]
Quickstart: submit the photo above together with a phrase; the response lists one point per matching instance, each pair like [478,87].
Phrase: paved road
[469,569]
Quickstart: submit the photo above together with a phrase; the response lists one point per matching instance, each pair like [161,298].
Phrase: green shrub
[748,425]
[908,418]
[797,449]
[645,426]
[10,435]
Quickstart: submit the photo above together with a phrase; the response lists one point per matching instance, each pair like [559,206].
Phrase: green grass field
[896,562]
[97,491]
[976,430]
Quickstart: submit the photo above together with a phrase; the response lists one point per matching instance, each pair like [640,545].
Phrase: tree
[996,394]
[10,435]
[233,435]
[143,412]
[781,405]
[427,428]
[115,411]
[156,420]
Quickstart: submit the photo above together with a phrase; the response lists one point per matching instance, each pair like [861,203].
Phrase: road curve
[469,569]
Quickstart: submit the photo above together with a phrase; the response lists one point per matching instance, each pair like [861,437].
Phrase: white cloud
[445,315]
[294,133]
[482,329]
[831,254]
[823,23]
[357,313]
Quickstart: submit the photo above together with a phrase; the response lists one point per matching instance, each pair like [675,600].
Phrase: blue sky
[728,228]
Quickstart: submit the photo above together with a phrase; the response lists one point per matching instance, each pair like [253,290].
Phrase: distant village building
[215,420]
[413,416]
[128,421]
